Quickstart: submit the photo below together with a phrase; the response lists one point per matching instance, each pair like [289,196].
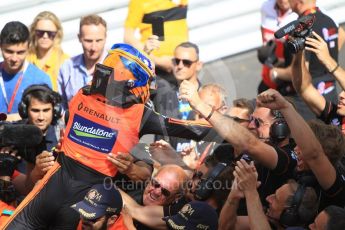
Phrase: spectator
[41,106]
[319,47]
[215,95]
[319,147]
[210,183]
[324,109]
[16,74]
[292,204]
[100,208]
[274,15]
[241,111]
[245,186]
[273,154]
[164,188]
[186,67]
[334,36]
[331,218]
[46,34]
[140,16]
[78,71]
[194,153]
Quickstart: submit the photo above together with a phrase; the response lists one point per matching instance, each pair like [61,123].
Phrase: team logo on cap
[93,197]
[186,210]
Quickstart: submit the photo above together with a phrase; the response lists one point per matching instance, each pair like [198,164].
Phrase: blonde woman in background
[45,51]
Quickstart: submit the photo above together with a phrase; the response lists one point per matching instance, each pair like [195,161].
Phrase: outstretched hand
[246,176]
[44,162]
[123,161]
[189,92]
[190,157]
[152,43]
[271,99]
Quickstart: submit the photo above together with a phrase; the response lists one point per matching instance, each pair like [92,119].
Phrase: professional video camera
[299,30]
[23,137]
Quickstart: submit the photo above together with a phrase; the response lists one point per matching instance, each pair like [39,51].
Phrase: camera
[24,137]
[298,30]
[267,55]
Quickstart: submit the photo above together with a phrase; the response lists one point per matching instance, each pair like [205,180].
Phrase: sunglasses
[237,119]
[257,122]
[40,33]
[165,192]
[187,63]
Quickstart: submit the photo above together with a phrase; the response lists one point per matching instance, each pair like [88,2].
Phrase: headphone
[55,98]
[290,216]
[205,186]
[279,130]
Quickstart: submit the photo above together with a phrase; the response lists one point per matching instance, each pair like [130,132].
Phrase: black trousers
[47,206]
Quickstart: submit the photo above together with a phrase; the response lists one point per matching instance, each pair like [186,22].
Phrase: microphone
[288,28]
[20,135]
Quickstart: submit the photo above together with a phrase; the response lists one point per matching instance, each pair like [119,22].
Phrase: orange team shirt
[5,212]
[95,129]
[118,225]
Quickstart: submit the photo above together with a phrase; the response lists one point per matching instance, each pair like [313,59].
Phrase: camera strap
[3,89]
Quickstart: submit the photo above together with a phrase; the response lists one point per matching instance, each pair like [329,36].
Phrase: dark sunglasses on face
[257,122]
[165,192]
[237,119]
[187,63]
[40,33]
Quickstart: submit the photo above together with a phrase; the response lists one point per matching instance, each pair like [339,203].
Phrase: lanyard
[3,89]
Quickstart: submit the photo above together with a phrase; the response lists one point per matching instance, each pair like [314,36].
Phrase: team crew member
[319,148]
[325,110]
[100,209]
[108,116]
[332,34]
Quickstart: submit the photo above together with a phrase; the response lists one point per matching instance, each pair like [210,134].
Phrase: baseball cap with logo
[100,200]
[194,215]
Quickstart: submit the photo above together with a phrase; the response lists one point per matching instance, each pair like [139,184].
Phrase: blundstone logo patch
[92,135]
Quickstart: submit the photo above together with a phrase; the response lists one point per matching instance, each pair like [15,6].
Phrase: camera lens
[296,45]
